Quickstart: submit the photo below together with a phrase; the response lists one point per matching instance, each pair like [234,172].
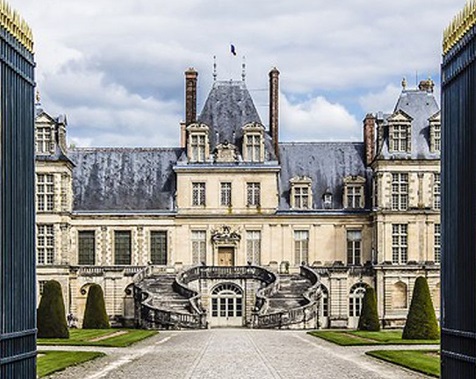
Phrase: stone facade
[359,213]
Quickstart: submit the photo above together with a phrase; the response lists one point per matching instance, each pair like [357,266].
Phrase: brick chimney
[190,96]
[274,108]
[369,138]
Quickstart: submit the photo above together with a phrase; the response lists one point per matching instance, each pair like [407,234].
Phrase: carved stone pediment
[225,235]
[225,153]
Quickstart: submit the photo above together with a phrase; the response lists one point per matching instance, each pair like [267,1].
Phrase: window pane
[122,247]
[86,248]
[158,247]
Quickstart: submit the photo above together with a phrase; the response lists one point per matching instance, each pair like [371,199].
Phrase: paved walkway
[236,353]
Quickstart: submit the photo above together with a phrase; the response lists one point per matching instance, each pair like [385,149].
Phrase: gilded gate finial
[11,21]
[459,26]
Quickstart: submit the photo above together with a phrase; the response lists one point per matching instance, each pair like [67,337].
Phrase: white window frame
[399,243]
[199,196]
[399,191]
[225,194]
[45,192]
[437,191]
[45,244]
[437,242]
[199,246]
[253,194]
[354,247]
[253,146]
[301,246]
[198,147]
[253,246]
[44,139]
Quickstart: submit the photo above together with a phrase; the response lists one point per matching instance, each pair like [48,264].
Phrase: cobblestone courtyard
[236,353]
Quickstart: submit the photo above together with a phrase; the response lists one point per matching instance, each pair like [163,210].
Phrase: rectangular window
[253,247]
[45,192]
[43,140]
[41,286]
[301,246]
[253,194]
[436,137]
[122,247]
[86,247]
[354,196]
[437,192]
[399,243]
[253,147]
[400,138]
[437,235]
[45,242]
[199,247]
[198,147]
[158,247]
[198,193]
[354,247]
[225,194]
[399,191]
[301,197]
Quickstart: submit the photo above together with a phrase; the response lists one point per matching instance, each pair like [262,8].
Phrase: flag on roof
[232,49]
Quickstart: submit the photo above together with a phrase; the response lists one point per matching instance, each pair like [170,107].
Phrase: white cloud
[384,100]
[317,119]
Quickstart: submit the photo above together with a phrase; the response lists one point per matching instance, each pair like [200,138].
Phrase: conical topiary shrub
[51,316]
[95,316]
[369,315]
[421,320]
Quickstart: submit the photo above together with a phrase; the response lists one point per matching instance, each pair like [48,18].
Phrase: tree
[421,320]
[369,316]
[51,316]
[95,316]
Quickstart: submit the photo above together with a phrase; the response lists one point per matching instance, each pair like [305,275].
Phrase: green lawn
[425,361]
[356,338]
[52,361]
[86,337]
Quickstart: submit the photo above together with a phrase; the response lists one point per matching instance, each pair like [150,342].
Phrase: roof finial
[214,68]
[243,69]
[404,83]
[37,97]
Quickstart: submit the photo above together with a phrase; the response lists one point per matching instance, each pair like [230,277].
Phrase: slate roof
[327,164]
[420,105]
[121,179]
[228,108]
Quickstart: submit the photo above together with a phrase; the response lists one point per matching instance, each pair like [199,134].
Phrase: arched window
[227,301]
[399,296]
[356,296]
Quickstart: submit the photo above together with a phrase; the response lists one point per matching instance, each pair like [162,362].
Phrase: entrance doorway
[226,305]
[226,256]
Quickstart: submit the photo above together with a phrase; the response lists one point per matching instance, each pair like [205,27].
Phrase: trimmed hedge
[369,315]
[421,320]
[95,316]
[51,316]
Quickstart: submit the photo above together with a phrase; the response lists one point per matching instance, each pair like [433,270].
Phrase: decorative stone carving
[225,235]
[225,153]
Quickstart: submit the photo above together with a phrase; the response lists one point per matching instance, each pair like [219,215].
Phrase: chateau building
[235,227]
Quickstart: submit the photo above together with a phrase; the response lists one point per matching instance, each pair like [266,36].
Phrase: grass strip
[424,361]
[53,361]
[83,337]
[361,338]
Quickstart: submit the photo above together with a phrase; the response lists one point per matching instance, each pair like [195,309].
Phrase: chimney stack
[190,96]
[369,138]
[274,108]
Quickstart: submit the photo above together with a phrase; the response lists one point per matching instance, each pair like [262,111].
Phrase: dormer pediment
[436,118]
[45,118]
[399,117]
[253,127]
[197,127]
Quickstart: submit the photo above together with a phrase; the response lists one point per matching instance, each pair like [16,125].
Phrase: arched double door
[226,305]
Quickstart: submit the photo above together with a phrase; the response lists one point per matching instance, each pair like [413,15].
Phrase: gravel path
[236,353]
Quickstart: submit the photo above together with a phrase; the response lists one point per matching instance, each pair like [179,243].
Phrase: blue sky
[115,68]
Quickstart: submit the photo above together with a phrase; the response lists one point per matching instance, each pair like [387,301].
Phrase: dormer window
[327,200]
[400,132]
[354,192]
[44,139]
[198,146]
[253,147]
[435,133]
[301,193]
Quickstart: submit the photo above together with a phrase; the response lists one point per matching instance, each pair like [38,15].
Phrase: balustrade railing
[307,315]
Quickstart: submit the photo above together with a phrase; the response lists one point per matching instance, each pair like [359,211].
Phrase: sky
[116,67]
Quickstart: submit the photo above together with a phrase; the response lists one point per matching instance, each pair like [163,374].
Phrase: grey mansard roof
[121,179]
[420,106]
[228,108]
[327,164]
